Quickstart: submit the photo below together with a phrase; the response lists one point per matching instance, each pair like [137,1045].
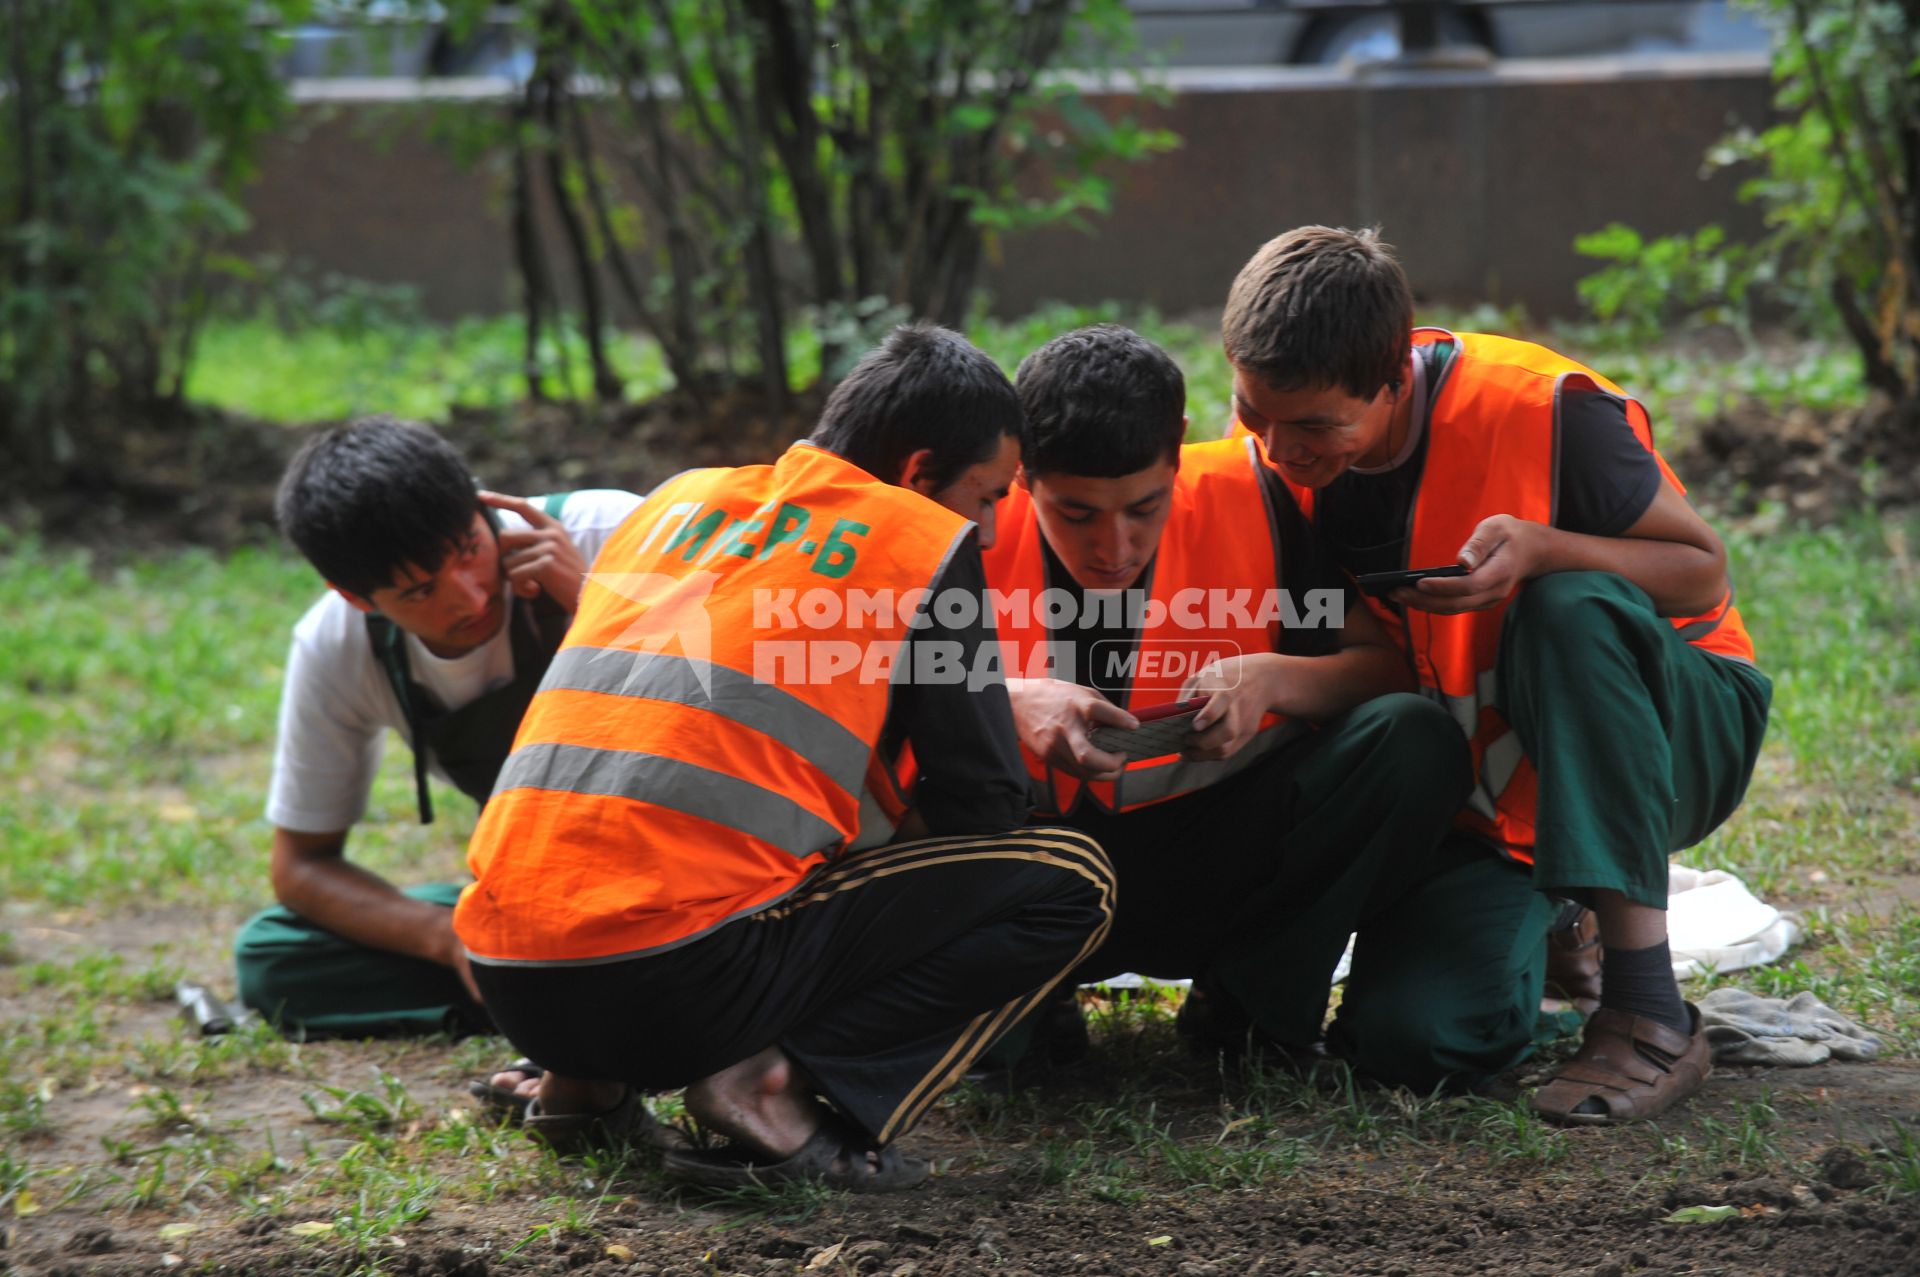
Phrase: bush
[1836,182]
[125,129]
[842,163]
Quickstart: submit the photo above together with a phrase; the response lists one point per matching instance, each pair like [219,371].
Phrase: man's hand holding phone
[1056,720]
[1496,560]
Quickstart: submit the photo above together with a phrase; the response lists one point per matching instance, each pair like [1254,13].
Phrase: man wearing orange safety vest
[761,831]
[1132,572]
[1590,653]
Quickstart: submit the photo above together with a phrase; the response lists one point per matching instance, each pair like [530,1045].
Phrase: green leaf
[1702,1215]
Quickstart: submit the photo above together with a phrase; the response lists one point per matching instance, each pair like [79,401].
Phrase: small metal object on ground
[212,1016]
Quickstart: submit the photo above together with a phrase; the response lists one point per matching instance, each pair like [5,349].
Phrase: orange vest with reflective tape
[706,735]
[1494,425]
[1215,593]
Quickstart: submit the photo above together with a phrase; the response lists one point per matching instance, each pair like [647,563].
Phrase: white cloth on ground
[1714,923]
[1747,1028]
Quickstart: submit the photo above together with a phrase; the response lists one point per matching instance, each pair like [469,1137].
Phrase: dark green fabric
[1643,743]
[1445,985]
[1253,885]
[1365,807]
[312,982]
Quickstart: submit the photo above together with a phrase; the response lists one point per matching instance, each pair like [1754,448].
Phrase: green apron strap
[390,649]
[554,502]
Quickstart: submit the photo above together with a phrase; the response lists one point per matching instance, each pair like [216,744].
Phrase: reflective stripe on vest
[690,756]
[1493,448]
[1219,536]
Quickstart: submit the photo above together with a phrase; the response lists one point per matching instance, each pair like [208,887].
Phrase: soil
[1421,1200]
[207,478]
[1817,467]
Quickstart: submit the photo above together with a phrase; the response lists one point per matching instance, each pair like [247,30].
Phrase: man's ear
[359,604]
[916,472]
[1020,476]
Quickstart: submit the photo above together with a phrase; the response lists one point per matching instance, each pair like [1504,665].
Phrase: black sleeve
[1607,479]
[1305,564]
[971,778]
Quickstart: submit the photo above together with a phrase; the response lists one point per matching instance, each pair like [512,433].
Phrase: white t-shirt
[336,702]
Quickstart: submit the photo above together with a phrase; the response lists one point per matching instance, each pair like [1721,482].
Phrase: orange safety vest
[706,735]
[1494,424]
[1215,593]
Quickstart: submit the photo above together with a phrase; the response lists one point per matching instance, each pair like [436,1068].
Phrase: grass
[137,704]
[378,355]
[388,359]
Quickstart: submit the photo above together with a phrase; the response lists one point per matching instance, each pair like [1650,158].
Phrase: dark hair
[365,499]
[1321,307]
[1101,402]
[923,387]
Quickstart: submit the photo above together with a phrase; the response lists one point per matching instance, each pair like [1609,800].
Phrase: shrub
[1836,183]
[125,129]
[842,163]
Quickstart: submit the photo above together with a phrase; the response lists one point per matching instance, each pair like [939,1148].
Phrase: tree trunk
[679,359]
[607,386]
[528,255]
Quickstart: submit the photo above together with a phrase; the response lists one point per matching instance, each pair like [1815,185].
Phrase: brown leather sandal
[1573,963]
[1635,1067]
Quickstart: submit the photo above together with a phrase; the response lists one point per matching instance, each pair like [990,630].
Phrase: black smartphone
[1163,730]
[1381,584]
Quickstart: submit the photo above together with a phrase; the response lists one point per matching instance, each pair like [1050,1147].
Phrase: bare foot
[761,1102]
[524,1083]
[566,1095]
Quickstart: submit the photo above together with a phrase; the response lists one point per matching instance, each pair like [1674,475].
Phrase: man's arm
[971,778]
[1364,664]
[1054,719]
[313,877]
[1669,552]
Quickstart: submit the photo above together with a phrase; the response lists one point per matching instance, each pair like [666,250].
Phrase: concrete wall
[1481,178]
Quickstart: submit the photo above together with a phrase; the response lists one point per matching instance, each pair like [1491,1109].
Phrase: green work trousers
[313,983]
[1643,744]
[1252,886]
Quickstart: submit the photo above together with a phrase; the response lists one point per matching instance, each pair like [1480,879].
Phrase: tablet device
[1163,729]
[1381,584]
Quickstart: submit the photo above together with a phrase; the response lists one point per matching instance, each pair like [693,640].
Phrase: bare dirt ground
[208,479]
[1034,1183]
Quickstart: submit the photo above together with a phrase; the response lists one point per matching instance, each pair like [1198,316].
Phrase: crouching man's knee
[1425,1046]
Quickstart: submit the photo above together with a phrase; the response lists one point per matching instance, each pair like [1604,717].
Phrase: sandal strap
[1633,1066]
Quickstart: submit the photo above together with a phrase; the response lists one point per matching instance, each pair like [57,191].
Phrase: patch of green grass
[1751,1139]
[1515,1133]
[1899,1159]
[23,1106]
[140,705]
[398,364]
[364,1112]
[102,975]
